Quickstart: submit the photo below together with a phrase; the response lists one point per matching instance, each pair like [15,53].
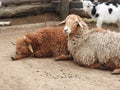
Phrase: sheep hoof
[116,72]
[57,59]
[13,58]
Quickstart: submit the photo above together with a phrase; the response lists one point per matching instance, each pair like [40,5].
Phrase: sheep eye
[18,53]
[75,22]
[25,44]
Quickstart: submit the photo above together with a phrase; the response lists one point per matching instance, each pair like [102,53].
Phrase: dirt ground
[46,73]
[33,19]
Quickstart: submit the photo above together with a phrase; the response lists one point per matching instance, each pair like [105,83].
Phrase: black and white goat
[103,12]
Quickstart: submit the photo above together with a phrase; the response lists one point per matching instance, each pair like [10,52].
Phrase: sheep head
[72,22]
[23,48]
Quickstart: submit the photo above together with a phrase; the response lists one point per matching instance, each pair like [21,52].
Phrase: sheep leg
[116,71]
[63,57]
[97,66]
[41,54]
[94,66]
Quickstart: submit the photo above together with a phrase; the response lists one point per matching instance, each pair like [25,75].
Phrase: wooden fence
[15,8]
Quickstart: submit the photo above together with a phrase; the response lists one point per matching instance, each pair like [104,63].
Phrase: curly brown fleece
[45,42]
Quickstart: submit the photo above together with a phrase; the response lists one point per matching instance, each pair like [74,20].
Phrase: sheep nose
[66,30]
[18,53]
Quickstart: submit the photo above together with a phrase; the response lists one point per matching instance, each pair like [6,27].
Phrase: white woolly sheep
[103,12]
[96,48]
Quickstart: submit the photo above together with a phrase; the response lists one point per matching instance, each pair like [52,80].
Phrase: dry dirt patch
[45,73]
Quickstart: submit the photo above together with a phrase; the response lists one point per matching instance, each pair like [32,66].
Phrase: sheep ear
[84,24]
[26,39]
[30,48]
[61,22]
[81,22]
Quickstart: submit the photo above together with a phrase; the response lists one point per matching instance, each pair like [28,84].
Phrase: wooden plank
[79,12]
[20,2]
[23,10]
[64,8]
[73,4]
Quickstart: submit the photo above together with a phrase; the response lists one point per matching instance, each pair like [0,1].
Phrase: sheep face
[23,48]
[71,23]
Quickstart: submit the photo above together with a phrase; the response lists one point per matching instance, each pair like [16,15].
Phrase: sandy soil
[33,19]
[45,17]
[45,73]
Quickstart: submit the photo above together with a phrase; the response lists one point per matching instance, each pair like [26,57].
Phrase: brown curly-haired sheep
[45,42]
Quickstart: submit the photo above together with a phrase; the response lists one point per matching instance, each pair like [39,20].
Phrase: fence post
[64,9]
